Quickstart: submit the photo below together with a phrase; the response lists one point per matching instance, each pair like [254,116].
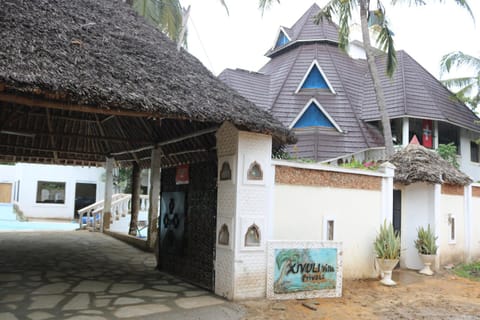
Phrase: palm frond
[459,82]
[343,9]
[265,5]
[459,59]
[224,4]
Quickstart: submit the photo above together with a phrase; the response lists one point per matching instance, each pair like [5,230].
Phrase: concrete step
[6,212]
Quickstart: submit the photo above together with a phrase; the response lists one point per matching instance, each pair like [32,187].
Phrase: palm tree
[469,87]
[345,9]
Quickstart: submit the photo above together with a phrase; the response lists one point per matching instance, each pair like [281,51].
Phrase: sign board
[304,269]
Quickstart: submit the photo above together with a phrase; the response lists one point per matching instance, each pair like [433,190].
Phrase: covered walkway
[85,275]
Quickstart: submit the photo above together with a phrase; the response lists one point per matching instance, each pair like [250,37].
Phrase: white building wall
[472,169]
[30,174]
[475,223]
[452,251]
[417,210]
[301,211]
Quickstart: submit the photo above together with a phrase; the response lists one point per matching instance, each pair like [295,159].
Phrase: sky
[240,39]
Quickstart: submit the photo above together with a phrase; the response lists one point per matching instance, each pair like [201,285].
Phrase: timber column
[154,198]
[245,176]
[107,200]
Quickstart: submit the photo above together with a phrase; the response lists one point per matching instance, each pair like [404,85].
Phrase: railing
[121,206]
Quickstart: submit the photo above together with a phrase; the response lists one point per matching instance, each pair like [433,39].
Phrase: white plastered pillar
[468,223]
[405,131]
[387,192]
[437,194]
[243,208]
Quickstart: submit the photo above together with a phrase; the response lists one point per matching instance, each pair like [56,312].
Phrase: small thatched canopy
[88,79]
[418,164]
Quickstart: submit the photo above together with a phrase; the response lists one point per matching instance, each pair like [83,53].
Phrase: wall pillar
[107,200]
[243,211]
[435,135]
[405,132]
[437,194]
[468,223]
[387,192]
[154,197]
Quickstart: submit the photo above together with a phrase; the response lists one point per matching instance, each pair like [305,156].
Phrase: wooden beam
[167,142]
[15,146]
[43,103]
[50,130]
[70,135]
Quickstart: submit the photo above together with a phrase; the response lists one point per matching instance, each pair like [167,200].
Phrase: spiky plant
[387,243]
[425,242]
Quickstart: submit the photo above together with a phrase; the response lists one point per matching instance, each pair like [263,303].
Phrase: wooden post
[107,202]
[135,199]
[154,196]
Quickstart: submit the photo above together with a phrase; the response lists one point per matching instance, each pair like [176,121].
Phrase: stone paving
[84,275]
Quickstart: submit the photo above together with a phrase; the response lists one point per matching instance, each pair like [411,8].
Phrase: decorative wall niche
[225,172]
[224,235]
[252,230]
[226,169]
[255,171]
[252,236]
[225,232]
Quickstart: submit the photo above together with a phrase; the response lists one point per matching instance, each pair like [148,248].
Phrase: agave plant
[425,242]
[387,243]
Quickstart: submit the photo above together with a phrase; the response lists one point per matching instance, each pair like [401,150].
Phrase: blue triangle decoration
[282,40]
[313,117]
[315,80]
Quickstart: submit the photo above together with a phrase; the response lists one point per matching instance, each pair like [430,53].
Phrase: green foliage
[470,270]
[468,87]
[425,242]
[355,164]
[449,153]
[387,243]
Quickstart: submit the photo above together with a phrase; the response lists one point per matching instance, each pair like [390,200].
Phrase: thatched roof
[99,57]
[416,163]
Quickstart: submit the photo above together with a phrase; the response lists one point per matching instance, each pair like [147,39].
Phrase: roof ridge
[348,98]
[304,17]
[284,80]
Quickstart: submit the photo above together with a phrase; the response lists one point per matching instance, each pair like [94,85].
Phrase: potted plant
[427,248]
[387,249]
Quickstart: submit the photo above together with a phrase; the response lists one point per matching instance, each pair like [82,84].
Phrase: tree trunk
[135,200]
[382,108]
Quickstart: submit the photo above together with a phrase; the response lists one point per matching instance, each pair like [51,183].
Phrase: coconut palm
[344,10]
[468,87]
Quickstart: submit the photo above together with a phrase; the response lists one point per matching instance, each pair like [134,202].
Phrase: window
[328,229]
[50,192]
[449,133]
[282,39]
[474,151]
[314,78]
[313,115]
[451,226]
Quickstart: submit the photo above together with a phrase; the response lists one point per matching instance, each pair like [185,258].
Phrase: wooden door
[5,192]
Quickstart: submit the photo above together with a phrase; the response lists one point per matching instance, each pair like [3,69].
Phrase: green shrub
[387,243]
[425,242]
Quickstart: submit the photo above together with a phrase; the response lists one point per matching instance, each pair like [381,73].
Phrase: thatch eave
[418,164]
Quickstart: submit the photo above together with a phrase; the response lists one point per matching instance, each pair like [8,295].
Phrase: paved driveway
[84,275]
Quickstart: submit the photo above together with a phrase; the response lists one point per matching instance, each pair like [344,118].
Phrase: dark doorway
[397,210]
[85,195]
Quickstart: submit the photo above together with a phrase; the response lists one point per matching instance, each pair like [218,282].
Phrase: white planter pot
[386,266]
[428,260]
